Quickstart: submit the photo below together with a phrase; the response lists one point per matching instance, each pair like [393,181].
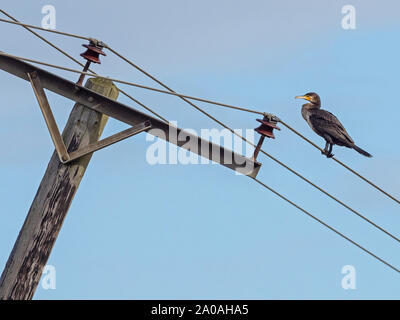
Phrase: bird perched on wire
[326,125]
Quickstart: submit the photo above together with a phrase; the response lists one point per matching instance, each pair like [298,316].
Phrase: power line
[27,27]
[279,162]
[43,29]
[252,111]
[246,110]
[253,145]
[171,92]
[326,225]
[231,130]
[270,156]
[341,163]
[133,84]
[219,122]
[42,38]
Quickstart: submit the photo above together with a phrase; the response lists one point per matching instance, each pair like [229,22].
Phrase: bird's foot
[327,153]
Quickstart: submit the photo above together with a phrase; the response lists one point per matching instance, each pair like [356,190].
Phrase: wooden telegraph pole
[39,232]
[53,199]
[74,149]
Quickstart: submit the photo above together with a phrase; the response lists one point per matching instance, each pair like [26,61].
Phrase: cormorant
[326,125]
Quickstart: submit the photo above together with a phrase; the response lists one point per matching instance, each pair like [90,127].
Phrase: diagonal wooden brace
[61,150]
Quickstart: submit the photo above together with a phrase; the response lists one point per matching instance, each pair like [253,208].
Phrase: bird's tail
[363,152]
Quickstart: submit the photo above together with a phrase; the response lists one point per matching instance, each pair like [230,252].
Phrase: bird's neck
[307,108]
[310,106]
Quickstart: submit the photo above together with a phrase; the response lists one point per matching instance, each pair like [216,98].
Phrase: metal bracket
[61,149]
[124,113]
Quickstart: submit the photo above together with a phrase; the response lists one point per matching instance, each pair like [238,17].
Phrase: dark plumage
[326,125]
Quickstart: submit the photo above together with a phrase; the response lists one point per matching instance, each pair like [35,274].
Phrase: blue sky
[136,231]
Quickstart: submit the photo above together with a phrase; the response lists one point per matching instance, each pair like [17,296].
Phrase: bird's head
[312,97]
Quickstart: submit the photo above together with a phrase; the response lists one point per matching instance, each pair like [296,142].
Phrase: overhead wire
[325,224]
[233,131]
[183,97]
[340,162]
[42,29]
[133,84]
[252,111]
[170,91]
[27,27]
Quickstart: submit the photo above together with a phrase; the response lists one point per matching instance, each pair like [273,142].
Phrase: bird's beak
[302,97]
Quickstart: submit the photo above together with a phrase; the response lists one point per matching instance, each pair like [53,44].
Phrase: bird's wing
[326,123]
